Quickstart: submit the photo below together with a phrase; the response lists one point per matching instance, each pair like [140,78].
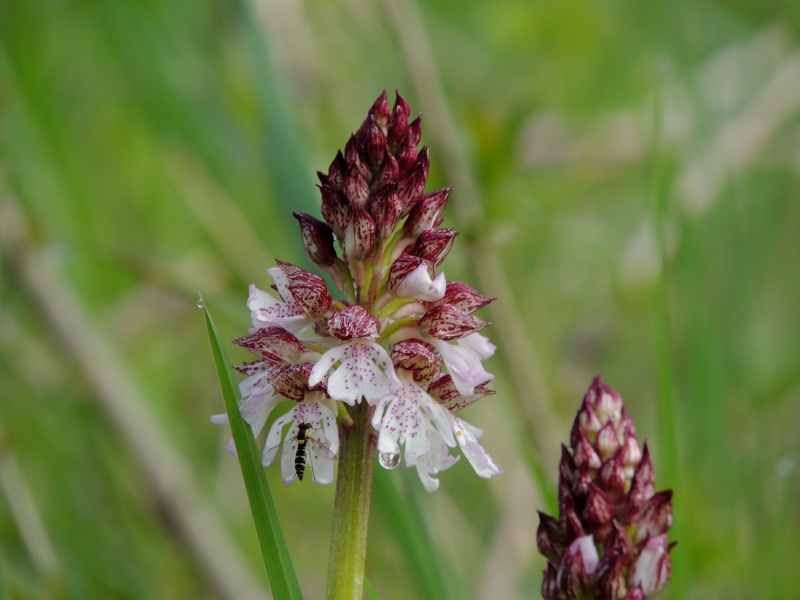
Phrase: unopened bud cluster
[398,336]
[609,541]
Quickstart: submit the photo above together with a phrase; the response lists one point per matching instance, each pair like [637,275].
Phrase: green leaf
[275,552]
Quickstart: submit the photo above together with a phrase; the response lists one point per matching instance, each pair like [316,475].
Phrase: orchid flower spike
[395,334]
[610,538]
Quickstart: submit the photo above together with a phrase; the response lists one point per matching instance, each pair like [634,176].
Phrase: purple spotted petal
[365,369]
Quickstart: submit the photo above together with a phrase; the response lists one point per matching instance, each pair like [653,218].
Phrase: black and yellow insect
[302,448]
[300,455]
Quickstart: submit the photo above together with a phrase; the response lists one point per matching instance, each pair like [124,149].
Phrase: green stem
[357,444]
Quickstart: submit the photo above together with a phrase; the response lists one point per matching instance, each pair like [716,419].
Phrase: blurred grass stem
[120,397]
[23,507]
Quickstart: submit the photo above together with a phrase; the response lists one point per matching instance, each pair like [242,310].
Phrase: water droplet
[200,303]
[389,460]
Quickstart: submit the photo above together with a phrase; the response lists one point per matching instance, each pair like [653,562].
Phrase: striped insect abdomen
[302,444]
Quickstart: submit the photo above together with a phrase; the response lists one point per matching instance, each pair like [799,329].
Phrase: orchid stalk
[380,365]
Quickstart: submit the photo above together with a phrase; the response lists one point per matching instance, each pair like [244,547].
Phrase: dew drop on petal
[389,460]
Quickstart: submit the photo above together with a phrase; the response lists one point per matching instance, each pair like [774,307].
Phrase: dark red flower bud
[587,420]
[550,583]
[583,452]
[385,208]
[308,290]
[617,541]
[611,477]
[353,155]
[598,512]
[608,441]
[642,488]
[335,173]
[444,391]
[656,517]
[425,213]
[434,245]
[405,266]
[407,150]
[630,527]
[630,454]
[464,297]
[610,581]
[291,381]
[335,209]
[571,526]
[549,540]
[398,122]
[419,357]
[353,322]
[375,144]
[317,240]
[380,110]
[359,234]
[273,343]
[411,186]
[566,471]
[604,400]
[355,187]
[449,323]
[577,564]
[388,173]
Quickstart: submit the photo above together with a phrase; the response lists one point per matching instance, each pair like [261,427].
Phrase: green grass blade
[369,591]
[275,552]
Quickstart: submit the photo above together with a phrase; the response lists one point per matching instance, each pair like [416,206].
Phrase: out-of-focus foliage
[635,206]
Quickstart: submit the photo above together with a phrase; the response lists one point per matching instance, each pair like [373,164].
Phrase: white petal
[585,545]
[440,417]
[282,283]
[434,462]
[479,344]
[221,419]
[256,385]
[467,437]
[330,429]
[365,370]
[231,447]
[267,311]
[325,362]
[274,437]
[463,364]
[418,284]
[405,421]
[288,454]
[255,410]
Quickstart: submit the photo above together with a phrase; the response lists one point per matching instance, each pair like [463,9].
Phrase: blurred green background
[626,181]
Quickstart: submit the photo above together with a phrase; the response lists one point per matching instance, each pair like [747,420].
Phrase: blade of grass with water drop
[275,552]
